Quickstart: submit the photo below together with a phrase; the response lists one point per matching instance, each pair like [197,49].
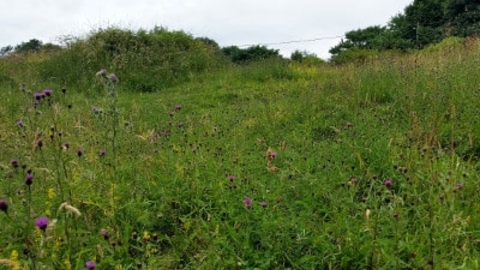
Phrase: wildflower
[79,152]
[171,114]
[41,223]
[248,202]
[64,90]
[113,78]
[102,73]
[66,145]
[180,124]
[29,179]
[103,152]
[231,178]
[47,92]
[40,143]
[20,124]
[3,206]
[14,163]
[272,155]
[353,180]
[388,182]
[104,233]
[459,185]
[37,96]
[263,204]
[36,103]
[90,264]
[178,107]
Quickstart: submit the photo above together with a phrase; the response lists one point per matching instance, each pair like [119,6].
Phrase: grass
[371,166]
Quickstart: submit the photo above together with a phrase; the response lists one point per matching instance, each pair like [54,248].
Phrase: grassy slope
[338,134]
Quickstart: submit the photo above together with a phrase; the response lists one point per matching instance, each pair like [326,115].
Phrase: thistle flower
[29,179]
[79,152]
[231,178]
[90,264]
[66,145]
[47,92]
[178,107]
[272,154]
[41,223]
[103,152]
[3,206]
[20,123]
[248,202]
[263,204]
[104,233]
[388,183]
[37,95]
[40,143]
[14,163]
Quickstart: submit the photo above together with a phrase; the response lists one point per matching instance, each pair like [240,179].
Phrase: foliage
[146,60]
[422,23]
[253,53]
[306,58]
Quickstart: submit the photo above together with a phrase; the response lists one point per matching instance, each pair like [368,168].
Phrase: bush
[143,60]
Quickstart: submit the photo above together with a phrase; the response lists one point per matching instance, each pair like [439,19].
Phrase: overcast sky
[228,22]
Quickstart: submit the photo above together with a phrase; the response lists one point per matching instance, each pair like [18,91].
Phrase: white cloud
[227,22]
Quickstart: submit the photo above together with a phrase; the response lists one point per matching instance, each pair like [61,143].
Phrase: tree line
[422,22]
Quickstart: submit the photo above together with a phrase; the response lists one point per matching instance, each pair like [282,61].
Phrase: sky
[313,26]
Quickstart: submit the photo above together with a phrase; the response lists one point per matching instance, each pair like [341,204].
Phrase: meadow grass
[264,166]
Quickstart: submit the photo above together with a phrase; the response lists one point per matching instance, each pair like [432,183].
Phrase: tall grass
[266,166]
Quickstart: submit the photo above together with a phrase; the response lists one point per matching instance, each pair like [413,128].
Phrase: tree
[240,56]
[367,38]
[33,45]
[6,50]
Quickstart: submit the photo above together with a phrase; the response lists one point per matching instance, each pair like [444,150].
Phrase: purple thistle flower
[37,95]
[459,185]
[29,179]
[3,206]
[248,202]
[388,183]
[103,152]
[20,123]
[272,154]
[47,92]
[79,152]
[178,107]
[231,178]
[104,233]
[41,223]
[90,264]
[263,204]
[14,163]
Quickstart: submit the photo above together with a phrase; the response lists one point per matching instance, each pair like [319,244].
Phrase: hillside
[267,165]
